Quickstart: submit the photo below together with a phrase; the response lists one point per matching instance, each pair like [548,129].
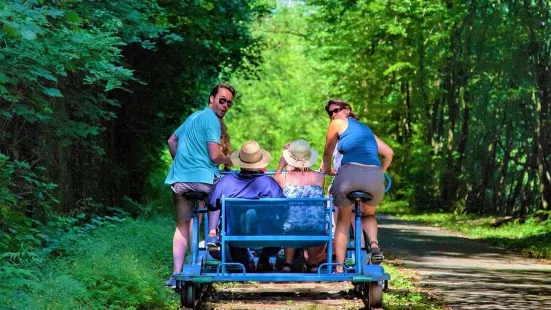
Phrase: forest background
[91,90]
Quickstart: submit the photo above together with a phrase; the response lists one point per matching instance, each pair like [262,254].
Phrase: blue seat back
[277,217]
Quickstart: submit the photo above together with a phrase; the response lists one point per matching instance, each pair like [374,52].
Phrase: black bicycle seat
[363,196]
[195,195]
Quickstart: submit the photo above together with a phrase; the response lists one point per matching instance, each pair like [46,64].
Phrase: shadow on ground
[465,273]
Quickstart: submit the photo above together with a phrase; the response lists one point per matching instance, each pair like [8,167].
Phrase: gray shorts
[184,207]
[357,177]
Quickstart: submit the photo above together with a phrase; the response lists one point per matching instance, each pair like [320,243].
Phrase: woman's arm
[330,143]
[387,153]
[278,176]
[321,179]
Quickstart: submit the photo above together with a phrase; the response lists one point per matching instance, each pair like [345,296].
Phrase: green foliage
[404,294]
[529,237]
[282,99]
[458,86]
[23,192]
[89,91]
[105,269]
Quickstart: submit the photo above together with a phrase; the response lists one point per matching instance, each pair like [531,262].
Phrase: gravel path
[465,273]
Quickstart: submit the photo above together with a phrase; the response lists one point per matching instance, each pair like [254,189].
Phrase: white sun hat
[300,155]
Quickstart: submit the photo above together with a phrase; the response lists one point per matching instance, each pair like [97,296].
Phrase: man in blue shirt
[196,153]
[250,183]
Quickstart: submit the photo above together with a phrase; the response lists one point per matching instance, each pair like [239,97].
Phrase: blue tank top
[357,144]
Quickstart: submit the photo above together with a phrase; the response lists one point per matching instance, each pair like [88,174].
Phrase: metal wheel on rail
[372,294]
[188,295]
[375,294]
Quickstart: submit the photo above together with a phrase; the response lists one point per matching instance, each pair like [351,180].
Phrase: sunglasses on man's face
[225,101]
[337,110]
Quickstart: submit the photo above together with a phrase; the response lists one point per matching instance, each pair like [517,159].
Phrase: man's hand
[216,154]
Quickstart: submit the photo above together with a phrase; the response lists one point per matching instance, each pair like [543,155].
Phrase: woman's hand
[282,162]
[332,172]
[279,170]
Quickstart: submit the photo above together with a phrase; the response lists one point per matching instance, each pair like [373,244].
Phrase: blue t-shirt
[250,186]
[357,144]
[242,185]
[192,162]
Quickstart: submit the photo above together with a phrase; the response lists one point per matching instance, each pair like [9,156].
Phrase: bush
[120,267]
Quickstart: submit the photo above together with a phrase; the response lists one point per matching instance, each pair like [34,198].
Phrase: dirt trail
[285,296]
[464,273]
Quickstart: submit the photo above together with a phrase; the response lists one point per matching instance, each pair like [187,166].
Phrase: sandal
[286,267]
[376,255]
[313,268]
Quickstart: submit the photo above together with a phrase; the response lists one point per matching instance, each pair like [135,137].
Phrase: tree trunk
[540,31]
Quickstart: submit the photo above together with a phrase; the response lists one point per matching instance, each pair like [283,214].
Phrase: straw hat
[300,155]
[251,156]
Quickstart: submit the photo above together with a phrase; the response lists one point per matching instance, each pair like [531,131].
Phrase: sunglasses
[225,101]
[337,110]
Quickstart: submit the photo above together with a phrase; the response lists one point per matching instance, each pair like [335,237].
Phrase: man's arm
[216,154]
[173,145]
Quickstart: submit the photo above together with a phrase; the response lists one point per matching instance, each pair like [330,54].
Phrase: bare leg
[179,245]
[214,217]
[369,222]
[353,224]
[313,255]
[200,219]
[289,254]
[341,235]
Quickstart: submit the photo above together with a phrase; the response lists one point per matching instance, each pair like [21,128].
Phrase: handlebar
[388,182]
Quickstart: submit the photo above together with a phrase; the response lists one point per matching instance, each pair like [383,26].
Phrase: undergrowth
[528,237]
[114,267]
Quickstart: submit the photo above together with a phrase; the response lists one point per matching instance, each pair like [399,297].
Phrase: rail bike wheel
[188,295]
[371,294]
[374,294]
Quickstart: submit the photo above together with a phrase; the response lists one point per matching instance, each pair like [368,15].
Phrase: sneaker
[171,283]
[376,256]
[213,243]
[286,267]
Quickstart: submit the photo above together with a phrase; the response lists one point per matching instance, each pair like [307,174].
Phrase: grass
[404,294]
[529,238]
[118,267]
[124,266]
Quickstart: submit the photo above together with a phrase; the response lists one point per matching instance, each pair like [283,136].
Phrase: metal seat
[195,195]
[358,195]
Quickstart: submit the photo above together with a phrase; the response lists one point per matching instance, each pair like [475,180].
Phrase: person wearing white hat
[250,183]
[300,181]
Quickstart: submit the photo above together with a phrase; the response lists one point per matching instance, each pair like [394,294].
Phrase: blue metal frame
[196,272]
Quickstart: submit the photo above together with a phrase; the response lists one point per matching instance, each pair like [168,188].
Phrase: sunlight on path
[465,273]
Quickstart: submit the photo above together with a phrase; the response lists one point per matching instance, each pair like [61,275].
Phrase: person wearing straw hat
[300,181]
[250,183]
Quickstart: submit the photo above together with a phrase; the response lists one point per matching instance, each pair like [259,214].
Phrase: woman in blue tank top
[361,170]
